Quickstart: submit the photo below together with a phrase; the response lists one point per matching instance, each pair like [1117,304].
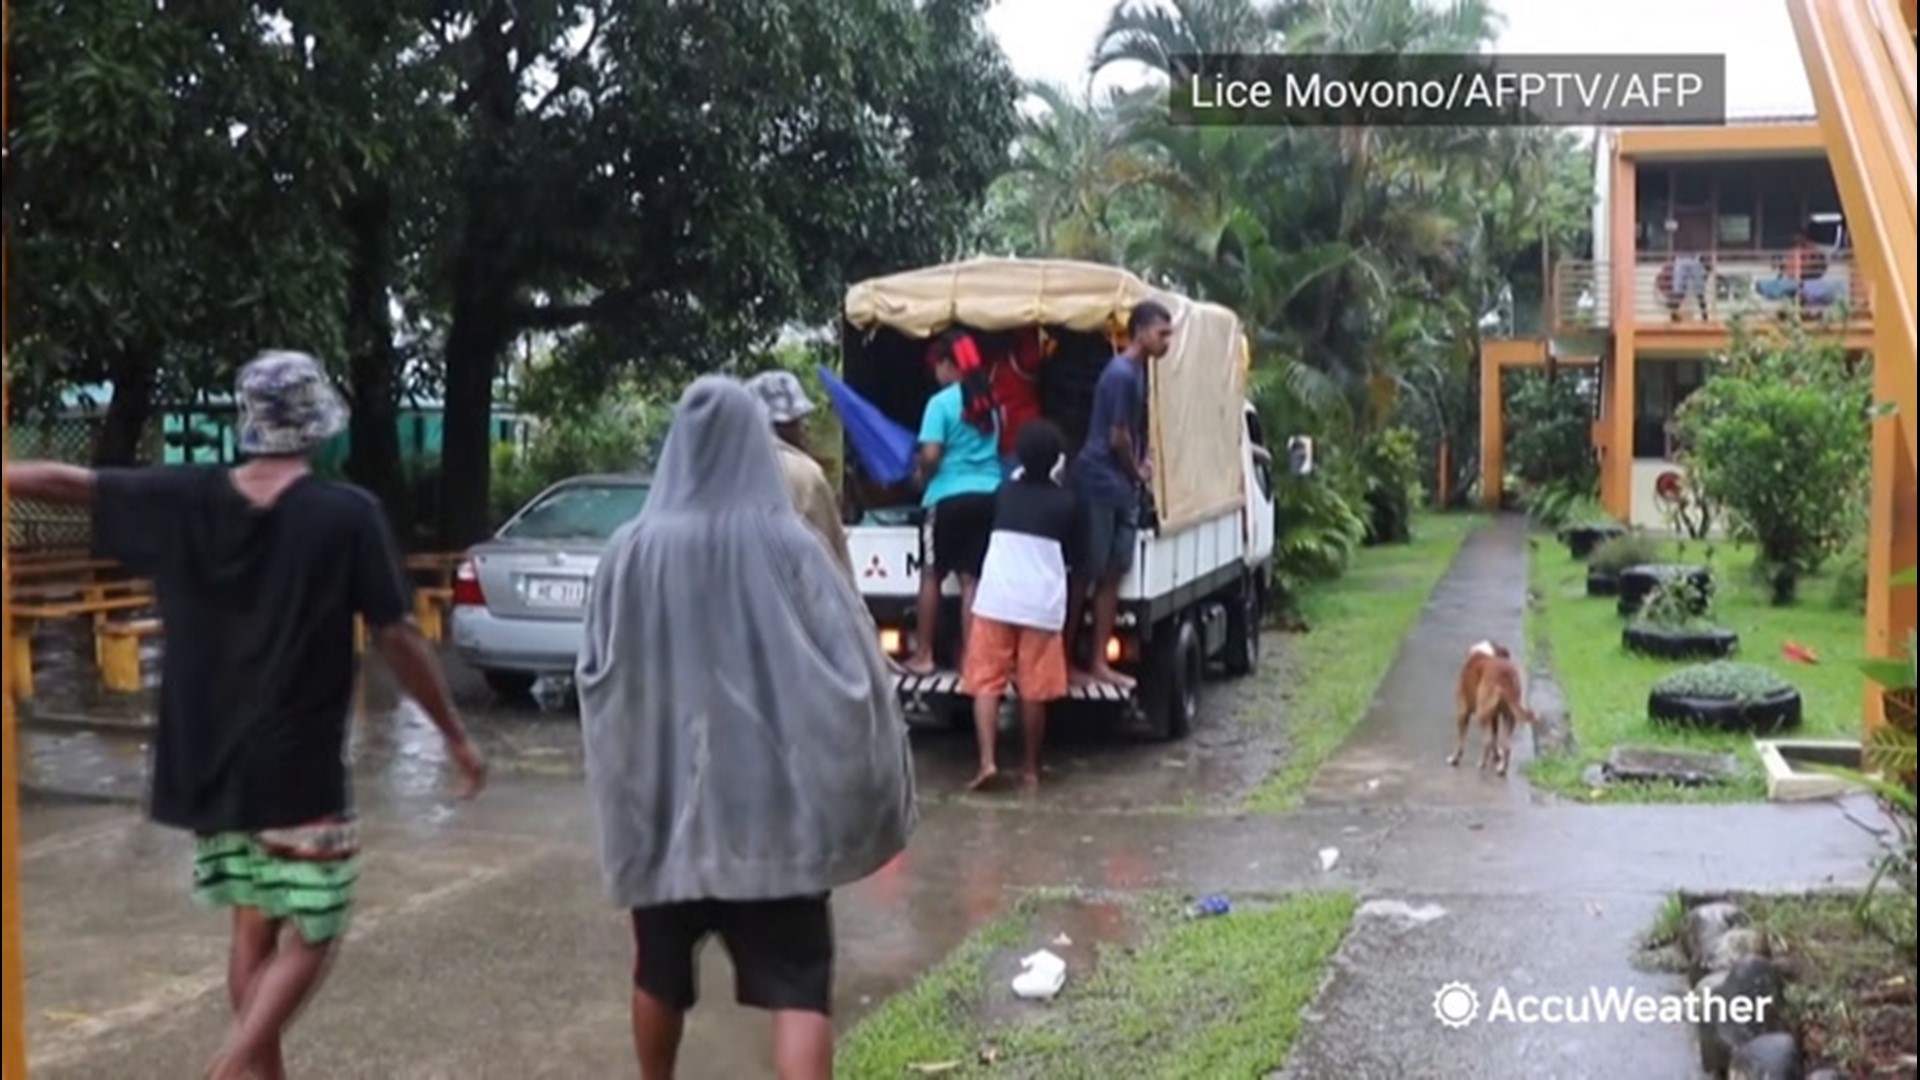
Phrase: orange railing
[1712,290]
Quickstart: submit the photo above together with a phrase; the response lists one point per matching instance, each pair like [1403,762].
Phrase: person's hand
[471,763]
[1146,472]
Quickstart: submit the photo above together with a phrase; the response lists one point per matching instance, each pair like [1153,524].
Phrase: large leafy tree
[162,181]
[667,184]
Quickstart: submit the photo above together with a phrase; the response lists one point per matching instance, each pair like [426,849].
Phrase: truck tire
[1176,667]
[1241,654]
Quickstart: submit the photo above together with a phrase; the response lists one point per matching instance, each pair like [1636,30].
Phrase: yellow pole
[13,971]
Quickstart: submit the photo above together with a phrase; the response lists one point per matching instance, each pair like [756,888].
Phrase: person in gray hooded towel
[744,747]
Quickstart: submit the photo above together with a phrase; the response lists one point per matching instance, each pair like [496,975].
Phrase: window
[1780,218]
[578,512]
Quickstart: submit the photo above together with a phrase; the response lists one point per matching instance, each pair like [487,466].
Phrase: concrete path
[482,946]
[1396,754]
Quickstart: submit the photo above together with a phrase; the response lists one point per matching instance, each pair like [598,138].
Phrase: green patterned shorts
[315,893]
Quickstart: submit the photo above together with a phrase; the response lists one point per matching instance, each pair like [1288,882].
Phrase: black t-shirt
[258,672]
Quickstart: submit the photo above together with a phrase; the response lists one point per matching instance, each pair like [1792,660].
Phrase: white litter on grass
[1401,911]
[1329,856]
[1062,942]
[1043,976]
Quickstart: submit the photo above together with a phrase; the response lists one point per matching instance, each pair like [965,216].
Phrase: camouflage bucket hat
[287,405]
[782,395]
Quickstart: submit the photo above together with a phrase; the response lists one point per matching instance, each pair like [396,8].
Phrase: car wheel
[515,687]
[1242,652]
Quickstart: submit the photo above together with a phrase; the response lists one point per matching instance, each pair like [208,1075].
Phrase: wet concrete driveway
[482,947]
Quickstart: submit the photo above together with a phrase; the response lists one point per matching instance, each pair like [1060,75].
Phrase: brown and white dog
[1491,691]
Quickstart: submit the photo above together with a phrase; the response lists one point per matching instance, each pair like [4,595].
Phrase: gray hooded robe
[743,741]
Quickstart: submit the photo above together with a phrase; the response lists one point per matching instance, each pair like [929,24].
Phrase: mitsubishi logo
[874,568]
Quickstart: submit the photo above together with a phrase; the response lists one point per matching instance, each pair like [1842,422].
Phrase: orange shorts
[1035,661]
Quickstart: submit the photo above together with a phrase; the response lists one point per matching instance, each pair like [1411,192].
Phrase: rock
[1826,1074]
[1774,1056]
[1688,768]
[1734,1007]
[1735,945]
[1705,924]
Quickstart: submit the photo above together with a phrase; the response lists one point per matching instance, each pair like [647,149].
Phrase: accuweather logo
[1457,1005]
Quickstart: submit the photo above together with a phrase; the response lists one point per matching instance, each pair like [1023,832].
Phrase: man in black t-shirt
[259,572]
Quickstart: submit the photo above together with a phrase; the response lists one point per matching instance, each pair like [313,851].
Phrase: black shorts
[782,951]
[955,534]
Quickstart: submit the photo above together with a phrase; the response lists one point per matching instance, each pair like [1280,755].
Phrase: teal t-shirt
[969,457]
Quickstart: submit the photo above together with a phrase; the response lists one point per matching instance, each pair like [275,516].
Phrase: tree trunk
[373,456]
[484,288]
[131,372]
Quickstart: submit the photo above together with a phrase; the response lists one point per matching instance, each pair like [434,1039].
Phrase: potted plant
[1614,557]
[1586,534]
[1725,695]
[1637,583]
[1675,622]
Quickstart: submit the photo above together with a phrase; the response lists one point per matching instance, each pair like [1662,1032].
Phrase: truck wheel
[1177,667]
[1242,651]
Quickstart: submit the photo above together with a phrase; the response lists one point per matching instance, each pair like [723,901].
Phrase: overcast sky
[1054,39]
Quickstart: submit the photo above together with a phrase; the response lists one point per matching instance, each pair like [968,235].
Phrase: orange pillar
[1493,433]
[13,977]
[1891,534]
[1616,459]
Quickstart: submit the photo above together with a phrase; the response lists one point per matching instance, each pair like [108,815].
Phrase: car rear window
[578,512]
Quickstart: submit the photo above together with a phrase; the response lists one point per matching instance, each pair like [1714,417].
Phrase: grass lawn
[1606,687]
[1355,624]
[1165,997]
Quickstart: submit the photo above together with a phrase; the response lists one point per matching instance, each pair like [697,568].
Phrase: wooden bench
[429,610]
[90,591]
[117,651]
[85,569]
[25,616]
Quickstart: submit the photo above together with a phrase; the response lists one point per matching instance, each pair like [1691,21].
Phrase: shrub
[1563,503]
[1725,680]
[1390,462]
[1616,555]
[1318,532]
[619,433]
[1850,582]
[1678,604]
[1550,429]
[1778,437]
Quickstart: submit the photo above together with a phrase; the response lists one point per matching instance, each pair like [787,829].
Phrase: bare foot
[1453,759]
[1079,680]
[1105,674]
[1031,778]
[987,776]
[919,665]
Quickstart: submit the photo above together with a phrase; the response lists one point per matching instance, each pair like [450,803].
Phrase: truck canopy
[1196,392]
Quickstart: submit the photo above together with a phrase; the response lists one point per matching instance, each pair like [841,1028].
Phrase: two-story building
[1695,229]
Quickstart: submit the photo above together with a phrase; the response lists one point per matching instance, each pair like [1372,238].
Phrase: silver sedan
[519,599]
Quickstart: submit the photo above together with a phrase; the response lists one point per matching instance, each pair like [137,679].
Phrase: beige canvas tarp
[1197,389]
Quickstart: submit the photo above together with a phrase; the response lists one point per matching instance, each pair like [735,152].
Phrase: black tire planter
[1582,539]
[1639,582]
[1667,643]
[1601,583]
[1774,713]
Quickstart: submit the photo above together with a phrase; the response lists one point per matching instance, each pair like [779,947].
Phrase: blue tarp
[883,448]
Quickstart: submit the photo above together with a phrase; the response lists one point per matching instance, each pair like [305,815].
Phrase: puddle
[1078,932]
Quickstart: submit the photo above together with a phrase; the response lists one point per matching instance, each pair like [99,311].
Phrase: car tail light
[891,641]
[466,586]
[1114,651]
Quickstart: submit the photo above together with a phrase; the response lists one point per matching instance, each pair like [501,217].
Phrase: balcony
[1680,293]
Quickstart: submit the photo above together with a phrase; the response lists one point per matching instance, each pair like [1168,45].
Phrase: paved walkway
[1396,753]
[483,947]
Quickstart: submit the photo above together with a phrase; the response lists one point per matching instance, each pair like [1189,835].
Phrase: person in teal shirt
[959,468]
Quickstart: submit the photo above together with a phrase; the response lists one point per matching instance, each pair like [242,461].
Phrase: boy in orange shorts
[1020,605]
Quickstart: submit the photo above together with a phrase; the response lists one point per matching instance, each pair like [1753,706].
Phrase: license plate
[556,592]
